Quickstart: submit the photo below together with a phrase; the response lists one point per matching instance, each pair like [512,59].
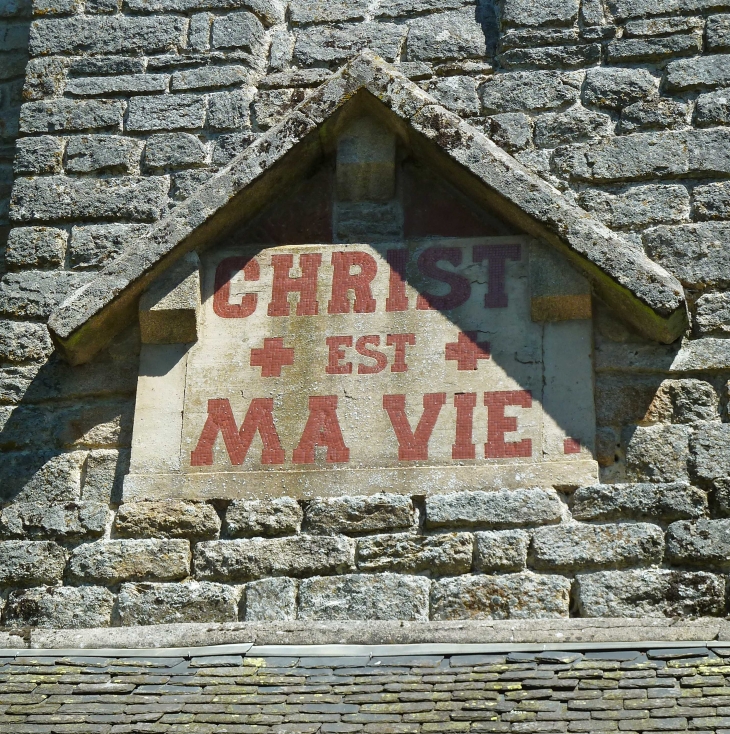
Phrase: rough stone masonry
[113,112]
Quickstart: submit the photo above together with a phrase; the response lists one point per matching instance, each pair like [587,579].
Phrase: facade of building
[333,326]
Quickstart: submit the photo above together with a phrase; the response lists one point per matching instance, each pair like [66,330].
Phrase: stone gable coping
[638,289]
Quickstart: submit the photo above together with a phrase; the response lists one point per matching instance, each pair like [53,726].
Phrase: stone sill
[361,637]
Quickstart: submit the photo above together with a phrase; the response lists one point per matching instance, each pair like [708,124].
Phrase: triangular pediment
[636,288]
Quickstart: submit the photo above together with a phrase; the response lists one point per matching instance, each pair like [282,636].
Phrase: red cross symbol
[466,350]
[272,357]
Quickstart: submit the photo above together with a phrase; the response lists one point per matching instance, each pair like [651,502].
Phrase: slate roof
[555,691]
[635,287]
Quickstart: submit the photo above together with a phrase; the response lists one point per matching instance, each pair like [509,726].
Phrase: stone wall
[128,106]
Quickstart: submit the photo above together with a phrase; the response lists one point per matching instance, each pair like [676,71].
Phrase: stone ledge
[533,633]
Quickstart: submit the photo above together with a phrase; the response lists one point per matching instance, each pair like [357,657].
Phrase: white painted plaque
[348,369]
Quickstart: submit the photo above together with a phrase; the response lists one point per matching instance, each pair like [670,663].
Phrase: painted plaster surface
[330,370]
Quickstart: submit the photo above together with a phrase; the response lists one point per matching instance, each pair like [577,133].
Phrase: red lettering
[336,354]
[413,446]
[466,350]
[399,341]
[397,299]
[306,286]
[498,424]
[343,281]
[361,347]
[222,290]
[571,446]
[220,419]
[496,257]
[272,357]
[322,429]
[464,448]
[460,291]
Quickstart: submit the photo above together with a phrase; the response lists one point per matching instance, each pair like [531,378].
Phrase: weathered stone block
[36,293]
[112,561]
[38,155]
[455,34]
[710,450]
[167,519]
[641,205]
[116,34]
[660,113]
[271,600]
[94,245]
[713,108]
[193,601]
[271,105]
[718,32]
[712,201]
[20,342]
[122,84]
[63,199]
[300,555]
[87,153]
[199,31]
[166,112]
[105,470]
[511,130]
[647,156]
[512,596]
[231,110]
[527,13]
[327,44]
[238,30]
[713,314]
[575,125]
[39,247]
[687,401]
[69,521]
[663,502]
[337,11]
[693,252]
[627,50]
[616,88]
[174,150]
[450,553]
[498,509]
[552,57]
[41,477]
[279,516]
[701,71]
[208,77]
[60,607]
[657,453]
[529,90]
[270,11]
[70,115]
[705,542]
[29,562]
[650,592]
[44,77]
[456,93]
[575,546]
[367,514]
[376,596]
[501,550]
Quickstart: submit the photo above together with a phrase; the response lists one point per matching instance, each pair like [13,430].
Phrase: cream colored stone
[190,440]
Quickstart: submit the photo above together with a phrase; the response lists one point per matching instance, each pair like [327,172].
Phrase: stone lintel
[168,310]
[554,634]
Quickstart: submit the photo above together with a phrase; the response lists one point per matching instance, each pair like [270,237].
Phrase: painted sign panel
[413,367]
